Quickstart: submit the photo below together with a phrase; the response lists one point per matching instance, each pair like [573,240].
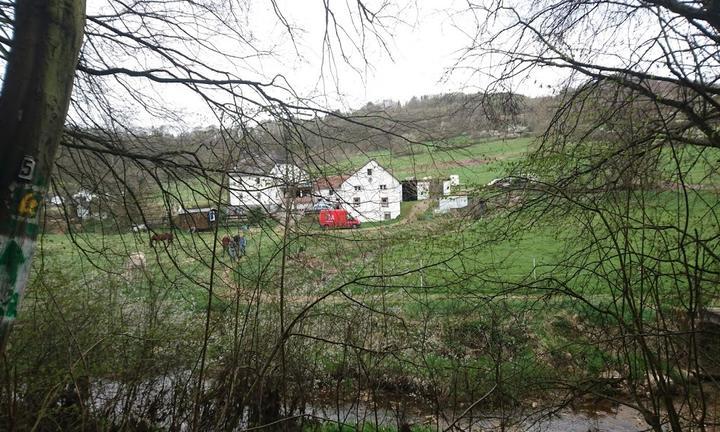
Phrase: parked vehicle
[337,218]
[321,205]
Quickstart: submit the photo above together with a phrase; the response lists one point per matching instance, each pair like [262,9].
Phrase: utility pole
[47,35]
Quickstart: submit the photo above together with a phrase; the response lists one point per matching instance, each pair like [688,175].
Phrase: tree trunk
[33,105]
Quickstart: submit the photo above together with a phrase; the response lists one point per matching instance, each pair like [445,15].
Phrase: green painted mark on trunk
[31,230]
[11,260]
[11,263]
[11,307]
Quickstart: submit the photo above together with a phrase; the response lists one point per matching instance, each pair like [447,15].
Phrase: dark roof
[255,165]
[331,182]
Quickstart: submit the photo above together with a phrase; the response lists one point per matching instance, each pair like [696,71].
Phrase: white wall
[423,190]
[289,174]
[447,187]
[264,190]
[253,191]
[328,195]
[452,202]
[370,194]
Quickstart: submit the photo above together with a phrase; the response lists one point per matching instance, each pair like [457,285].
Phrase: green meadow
[427,300]
[475,162]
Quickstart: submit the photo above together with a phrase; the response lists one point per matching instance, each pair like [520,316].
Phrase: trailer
[196,219]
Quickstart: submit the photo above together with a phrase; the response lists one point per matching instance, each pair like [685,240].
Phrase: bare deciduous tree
[630,157]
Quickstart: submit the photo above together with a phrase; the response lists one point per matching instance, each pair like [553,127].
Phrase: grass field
[476,162]
[455,251]
[425,301]
[434,255]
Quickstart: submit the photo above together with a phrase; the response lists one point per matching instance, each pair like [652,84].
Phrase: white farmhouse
[294,187]
[289,175]
[252,187]
[255,187]
[370,194]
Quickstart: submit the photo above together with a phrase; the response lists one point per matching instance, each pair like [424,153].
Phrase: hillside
[474,136]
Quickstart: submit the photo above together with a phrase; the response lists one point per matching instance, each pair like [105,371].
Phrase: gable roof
[336,181]
[251,166]
[331,182]
[378,164]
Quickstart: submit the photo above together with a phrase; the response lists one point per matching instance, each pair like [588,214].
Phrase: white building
[370,194]
[446,187]
[254,187]
[82,201]
[289,175]
[423,190]
[56,200]
[448,203]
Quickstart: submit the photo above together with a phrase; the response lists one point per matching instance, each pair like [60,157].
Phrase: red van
[337,218]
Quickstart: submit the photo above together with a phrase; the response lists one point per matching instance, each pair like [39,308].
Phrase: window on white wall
[369,171]
[387,215]
[384,201]
[358,188]
[356,201]
[383,187]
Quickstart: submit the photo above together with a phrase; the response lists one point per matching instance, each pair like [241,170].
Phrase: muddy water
[622,420]
[619,420]
[393,414]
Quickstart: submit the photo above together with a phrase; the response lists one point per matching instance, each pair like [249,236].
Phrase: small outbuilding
[448,203]
[409,189]
[196,219]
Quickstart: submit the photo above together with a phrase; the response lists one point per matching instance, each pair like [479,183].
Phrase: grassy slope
[476,163]
[438,271]
[405,246]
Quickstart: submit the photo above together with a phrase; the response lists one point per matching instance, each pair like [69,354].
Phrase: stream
[621,419]
[360,413]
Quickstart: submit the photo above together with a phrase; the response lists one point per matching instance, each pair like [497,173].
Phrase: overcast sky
[423,43]
[422,40]
[420,46]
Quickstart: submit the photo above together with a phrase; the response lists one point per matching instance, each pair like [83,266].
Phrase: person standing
[232,250]
[241,242]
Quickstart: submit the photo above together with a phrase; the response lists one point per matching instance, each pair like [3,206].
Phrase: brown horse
[162,237]
[225,243]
